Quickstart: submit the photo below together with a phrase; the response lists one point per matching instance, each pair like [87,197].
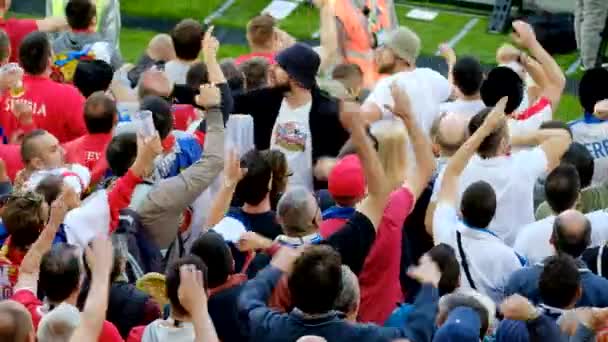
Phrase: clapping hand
[233,172]
[448,54]
[427,271]
[209,96]
[100,256]
[518,308]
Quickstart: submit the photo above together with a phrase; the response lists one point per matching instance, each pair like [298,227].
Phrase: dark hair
[256,73]
[501,82]
[254,187]
[60,272]
[316,279]
[233,74]
[197,75]
[173,280]
[346,70]
[50,187]
[23,218]
[556,124]
[187,38]
[92,76]
[161,114]
[99,113]
[579,156]
[280,174]
[562,188]
[568,243]
[490,145]
[28,148]
[5,45]
[261,29]
[445,257]
[34,53]
[592,88]
[478,205]
[121,153]
[215,253]
[80,14]
[559,281]
[468,75]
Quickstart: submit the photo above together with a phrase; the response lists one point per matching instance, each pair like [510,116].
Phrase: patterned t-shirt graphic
[291,136]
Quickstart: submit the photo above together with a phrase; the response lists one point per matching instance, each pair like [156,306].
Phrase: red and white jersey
[529,120]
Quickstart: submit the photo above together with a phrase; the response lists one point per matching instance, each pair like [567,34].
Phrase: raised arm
[30,266]
[556,143]
[377,186]
[330,55]
[52,24]
[425,160]
[233,173]
[167,201]
[524,36]
[449,185]
[193,297]
[100,258]
[210,47]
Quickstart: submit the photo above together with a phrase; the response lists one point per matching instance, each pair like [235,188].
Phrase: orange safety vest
[358,45]
[380,17]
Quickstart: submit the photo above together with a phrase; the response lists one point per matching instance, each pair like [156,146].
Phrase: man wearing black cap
[294,116]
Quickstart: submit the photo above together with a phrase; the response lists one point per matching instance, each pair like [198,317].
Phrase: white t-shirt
[593,133]
[533,239]
[489,260]
[176,71]
[291,135]
[529,121]
[467,109]
[425,87]
[512,178]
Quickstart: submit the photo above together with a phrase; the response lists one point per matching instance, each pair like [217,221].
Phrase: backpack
[65,63]
[143,256]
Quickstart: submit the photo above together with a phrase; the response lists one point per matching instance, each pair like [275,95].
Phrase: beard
[386,68]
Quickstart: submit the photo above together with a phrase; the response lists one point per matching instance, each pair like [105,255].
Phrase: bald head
[297,210]
[571,233]
[450,132]
[311,339]
[155,83]
[161,48]
[15,322]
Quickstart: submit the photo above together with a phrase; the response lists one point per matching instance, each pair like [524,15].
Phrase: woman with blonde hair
[392,140]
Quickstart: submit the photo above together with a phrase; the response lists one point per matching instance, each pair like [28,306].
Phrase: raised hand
[403,105]
[251,241]
[523,34]
[350,115]
[447,53]
[191,292]
[210,45]
[497,116]
[209,96]
[427,272]
[100,256]
[285,258]
[518,308]
[147,150]
[23,112]
[59,209]
[233,172]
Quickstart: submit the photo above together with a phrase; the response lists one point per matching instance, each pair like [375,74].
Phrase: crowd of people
[291,195]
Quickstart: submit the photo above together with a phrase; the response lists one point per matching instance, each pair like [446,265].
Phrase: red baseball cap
[346,179]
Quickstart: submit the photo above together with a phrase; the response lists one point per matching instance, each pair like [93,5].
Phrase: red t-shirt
[109,333]
[183,116]
[17,29]
[244,58]
[330,226]
[58,108]
[11,154]
[90,151]
[379,278]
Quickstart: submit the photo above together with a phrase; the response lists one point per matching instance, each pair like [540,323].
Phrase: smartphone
[145,123]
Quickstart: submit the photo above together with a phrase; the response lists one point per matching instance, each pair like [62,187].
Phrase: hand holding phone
[145,123]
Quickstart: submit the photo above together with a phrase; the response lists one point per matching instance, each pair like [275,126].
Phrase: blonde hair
[392,150]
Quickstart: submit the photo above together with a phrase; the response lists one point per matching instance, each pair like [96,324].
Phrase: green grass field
[304,21]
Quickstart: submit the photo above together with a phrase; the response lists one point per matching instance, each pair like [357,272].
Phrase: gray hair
[296,209]
[350,294]
[59,324]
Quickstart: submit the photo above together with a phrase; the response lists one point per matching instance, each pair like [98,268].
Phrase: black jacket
[328,135]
